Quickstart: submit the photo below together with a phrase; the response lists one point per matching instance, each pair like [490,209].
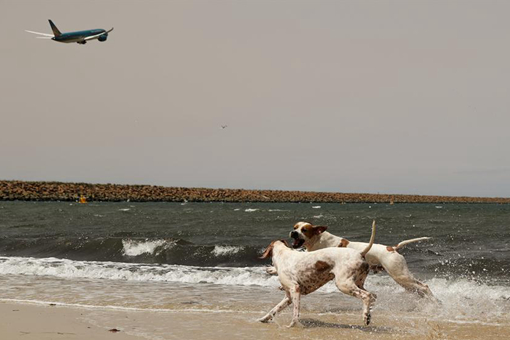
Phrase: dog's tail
[372,238]
[405,242]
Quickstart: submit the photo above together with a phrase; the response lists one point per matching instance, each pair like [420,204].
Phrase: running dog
[379,257]
[301,273]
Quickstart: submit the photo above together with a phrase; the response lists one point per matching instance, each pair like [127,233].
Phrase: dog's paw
[264,319]
[295,323]
[271,271]
[367,318]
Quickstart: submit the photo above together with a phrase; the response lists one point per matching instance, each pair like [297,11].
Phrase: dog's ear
[268,252]
[319,229]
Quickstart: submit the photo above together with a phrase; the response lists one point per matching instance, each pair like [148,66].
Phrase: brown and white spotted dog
[301,273]
[380,257]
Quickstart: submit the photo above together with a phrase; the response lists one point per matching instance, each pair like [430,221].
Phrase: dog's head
[305,232]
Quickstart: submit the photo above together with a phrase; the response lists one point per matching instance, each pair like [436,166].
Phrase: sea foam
[139,247]
[226,250]
[69,269]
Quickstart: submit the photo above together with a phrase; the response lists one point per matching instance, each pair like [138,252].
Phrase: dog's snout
[293,234]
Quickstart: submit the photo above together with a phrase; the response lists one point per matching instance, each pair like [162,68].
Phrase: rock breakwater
[58,191]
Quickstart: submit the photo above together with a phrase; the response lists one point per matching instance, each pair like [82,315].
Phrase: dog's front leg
[271,270]
[284,303]
[295,295]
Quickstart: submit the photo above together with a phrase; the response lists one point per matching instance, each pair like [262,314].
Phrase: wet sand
[32,321]
[35,322]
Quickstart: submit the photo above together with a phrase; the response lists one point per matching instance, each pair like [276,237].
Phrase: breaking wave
[134,250]
[139,247]
[69,269]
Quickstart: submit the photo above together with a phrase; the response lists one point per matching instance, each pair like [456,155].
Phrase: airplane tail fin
[54,28]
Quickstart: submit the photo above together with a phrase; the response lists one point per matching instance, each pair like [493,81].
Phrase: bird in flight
[224,126]
[80,37]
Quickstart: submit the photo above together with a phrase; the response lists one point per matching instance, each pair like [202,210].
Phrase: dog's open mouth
[297,243]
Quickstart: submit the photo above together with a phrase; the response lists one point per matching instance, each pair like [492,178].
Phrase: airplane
[80,37]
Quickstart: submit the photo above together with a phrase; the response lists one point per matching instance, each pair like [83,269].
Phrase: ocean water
[203,257]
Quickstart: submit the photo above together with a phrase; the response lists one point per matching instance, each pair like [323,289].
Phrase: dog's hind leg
[361,275]
[414,286]
[279,307]
[348,287]
[398,270]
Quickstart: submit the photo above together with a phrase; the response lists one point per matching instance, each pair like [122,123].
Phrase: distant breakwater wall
[57,191]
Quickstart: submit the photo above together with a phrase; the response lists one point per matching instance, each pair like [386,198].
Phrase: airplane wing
[43,34]
[92,37]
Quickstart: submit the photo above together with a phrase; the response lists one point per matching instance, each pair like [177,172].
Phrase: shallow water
[201,258]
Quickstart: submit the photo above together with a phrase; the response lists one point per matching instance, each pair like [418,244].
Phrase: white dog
[301,273]
[379,257]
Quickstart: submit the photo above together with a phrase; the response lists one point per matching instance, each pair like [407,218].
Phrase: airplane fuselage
[78,36]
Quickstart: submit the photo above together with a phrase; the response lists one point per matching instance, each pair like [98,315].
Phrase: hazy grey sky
[372,96]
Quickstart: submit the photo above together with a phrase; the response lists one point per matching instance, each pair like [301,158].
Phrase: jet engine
[103,37]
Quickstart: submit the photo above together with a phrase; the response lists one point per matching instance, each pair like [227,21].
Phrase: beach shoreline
[36,321]
[61,191]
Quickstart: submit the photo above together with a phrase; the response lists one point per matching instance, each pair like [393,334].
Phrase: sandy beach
[32,321]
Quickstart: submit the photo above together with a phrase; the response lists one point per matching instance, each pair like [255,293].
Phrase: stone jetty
[58,191]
